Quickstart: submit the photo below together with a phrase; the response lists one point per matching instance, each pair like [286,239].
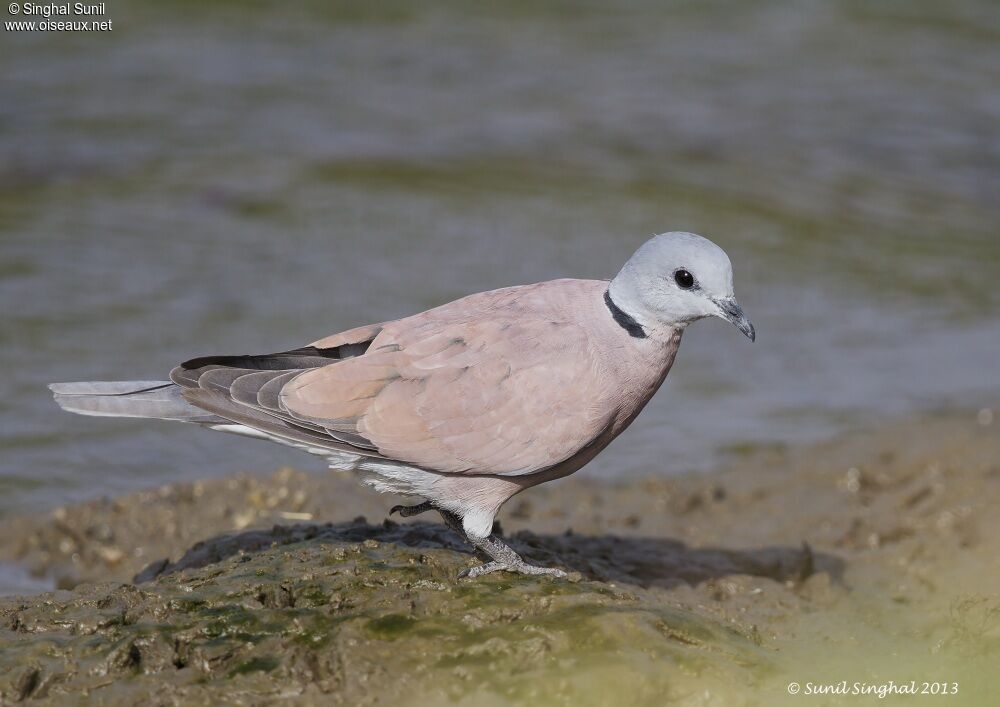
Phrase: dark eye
[684,279]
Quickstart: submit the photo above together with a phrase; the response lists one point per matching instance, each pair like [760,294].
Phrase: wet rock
[301,612]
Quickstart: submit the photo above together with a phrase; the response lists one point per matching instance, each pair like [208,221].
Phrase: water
[241,178]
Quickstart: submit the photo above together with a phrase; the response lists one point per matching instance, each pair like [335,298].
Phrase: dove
[465,405]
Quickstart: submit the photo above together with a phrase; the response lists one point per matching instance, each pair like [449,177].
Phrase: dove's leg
[503,558]
[453,522]
[450,519]
[407,511]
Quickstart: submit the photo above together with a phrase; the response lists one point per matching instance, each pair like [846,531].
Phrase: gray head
[675,279]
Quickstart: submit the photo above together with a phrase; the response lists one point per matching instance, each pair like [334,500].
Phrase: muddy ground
[868,563]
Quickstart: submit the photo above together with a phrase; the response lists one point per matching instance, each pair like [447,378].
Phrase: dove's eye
[684,279]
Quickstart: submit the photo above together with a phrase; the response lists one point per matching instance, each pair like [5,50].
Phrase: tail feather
[156,399]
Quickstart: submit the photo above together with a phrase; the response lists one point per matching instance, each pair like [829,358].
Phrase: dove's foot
[521,567]
[450,519]
[407,511]
[502,557]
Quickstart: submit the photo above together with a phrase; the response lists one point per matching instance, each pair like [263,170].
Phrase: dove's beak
[731,311]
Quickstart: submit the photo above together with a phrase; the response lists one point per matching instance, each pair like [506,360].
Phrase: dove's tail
[161,400]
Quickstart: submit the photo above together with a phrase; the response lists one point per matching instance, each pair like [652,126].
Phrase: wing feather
[506,382]
[245,390]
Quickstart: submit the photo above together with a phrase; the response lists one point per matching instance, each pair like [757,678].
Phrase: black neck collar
[625,321]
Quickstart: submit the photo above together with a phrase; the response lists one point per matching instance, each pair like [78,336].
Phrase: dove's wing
[499,383]
[244,389]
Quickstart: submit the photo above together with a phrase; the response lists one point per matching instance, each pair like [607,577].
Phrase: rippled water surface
[241,178]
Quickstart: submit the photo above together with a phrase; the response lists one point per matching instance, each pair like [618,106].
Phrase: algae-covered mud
[869,563]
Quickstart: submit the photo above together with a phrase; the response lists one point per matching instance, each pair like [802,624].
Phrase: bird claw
[518,567]
[407,511]
[493,547]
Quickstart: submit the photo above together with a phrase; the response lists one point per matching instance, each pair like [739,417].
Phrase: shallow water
[236,178]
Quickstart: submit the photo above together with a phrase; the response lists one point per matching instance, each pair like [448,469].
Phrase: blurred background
[239,177]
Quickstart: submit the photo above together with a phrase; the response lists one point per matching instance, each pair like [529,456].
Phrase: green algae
[259,664]
[391,625]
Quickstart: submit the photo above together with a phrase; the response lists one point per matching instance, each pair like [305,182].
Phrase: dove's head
[675,279]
